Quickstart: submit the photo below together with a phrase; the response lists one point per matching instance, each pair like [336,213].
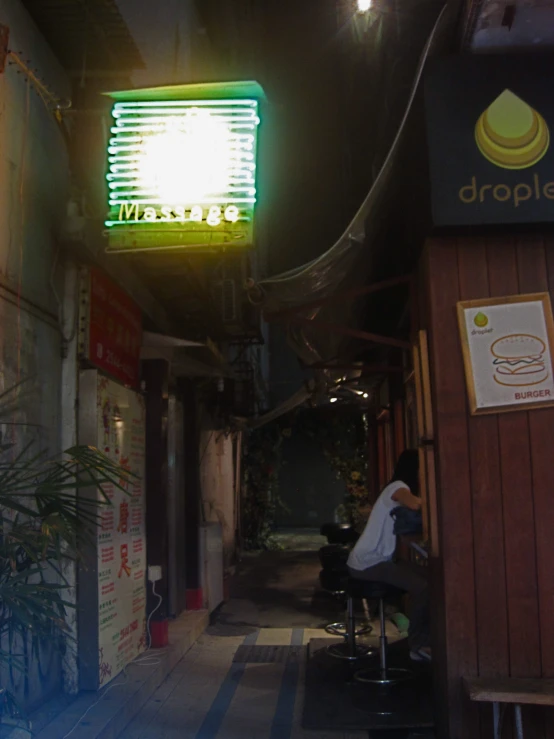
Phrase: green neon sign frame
[182,167]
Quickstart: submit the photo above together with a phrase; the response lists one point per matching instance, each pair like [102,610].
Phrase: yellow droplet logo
[511,134]
[481,320]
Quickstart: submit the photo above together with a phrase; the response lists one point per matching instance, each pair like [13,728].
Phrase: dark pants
[404,577]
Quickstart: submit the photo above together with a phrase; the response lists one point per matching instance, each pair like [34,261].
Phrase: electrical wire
[141,662]
[352,238]
[22,161]
[110,687]
[50,100]
[146,661]
[210,437]
[61,323]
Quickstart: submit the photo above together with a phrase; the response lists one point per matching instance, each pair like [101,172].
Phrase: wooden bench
[514,690]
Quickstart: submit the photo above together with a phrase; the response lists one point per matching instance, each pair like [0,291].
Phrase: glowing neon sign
[182,168]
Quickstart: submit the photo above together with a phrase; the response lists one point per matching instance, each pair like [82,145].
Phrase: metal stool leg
[382,641]
[383,675]
[343,629]
[340,628]
[496,720]
[518,721]
[349,650]
[351,621]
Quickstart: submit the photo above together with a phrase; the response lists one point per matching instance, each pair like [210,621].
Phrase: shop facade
[482,417]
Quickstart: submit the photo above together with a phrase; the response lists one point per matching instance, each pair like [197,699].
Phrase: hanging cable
[145,660]
[52,101]
[61,316]
[110,687]
[22,160]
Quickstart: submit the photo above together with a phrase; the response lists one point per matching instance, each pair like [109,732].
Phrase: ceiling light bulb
[365,395]
[333,400]
[364,5]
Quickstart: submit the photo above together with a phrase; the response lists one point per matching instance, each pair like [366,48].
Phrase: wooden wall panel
[533,277]
[488,525]
[459,652]
[399,428]
[495,484]
[517,505]
[541,443]
[381,456]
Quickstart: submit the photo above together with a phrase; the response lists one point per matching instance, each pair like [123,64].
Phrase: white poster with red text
[121,533]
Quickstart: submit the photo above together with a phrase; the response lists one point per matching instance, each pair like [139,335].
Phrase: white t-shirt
[377,542]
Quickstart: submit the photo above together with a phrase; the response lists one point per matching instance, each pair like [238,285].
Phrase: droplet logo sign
[481,320]
[511,134]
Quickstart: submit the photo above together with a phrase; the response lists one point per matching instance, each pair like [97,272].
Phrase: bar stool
[334,556]
[335,581]
[333,578]
[339,533]
[382,675]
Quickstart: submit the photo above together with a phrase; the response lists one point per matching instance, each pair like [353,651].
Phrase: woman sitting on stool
[373,555]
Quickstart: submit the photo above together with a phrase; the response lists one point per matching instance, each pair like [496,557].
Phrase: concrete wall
[217,480]
[34,183]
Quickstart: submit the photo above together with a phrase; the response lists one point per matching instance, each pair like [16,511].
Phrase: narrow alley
[246,675]
[276,369]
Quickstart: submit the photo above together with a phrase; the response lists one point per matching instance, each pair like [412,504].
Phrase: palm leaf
[47,505]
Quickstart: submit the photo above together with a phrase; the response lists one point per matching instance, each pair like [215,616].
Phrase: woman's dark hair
[407,470]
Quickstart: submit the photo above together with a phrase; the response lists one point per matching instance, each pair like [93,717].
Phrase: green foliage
[261,499]
[40,521]
[343,439]
[48,505]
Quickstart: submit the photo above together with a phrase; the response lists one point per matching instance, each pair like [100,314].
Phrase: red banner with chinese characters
[114,329]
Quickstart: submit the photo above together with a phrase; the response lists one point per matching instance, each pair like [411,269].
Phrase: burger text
[533,394]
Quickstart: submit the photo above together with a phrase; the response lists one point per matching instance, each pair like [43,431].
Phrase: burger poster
[507,348]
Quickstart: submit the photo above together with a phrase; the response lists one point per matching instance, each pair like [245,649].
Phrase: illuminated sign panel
[182,172]
[490,125]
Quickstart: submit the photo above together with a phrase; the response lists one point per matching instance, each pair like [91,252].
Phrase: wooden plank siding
[495,489]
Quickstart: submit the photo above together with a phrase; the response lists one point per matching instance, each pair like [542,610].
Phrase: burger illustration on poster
[506,345]
[519,360]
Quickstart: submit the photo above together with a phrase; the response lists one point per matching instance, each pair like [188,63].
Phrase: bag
[406,521]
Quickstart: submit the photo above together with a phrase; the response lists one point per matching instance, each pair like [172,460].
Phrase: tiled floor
[210,697]
[275,599]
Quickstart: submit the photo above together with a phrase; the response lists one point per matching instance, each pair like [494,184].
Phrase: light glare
[364,6]
[190,159]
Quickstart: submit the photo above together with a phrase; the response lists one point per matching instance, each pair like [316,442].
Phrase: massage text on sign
[182,172]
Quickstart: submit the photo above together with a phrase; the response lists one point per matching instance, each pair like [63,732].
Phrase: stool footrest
[341,629]
[343,651]
[377,676]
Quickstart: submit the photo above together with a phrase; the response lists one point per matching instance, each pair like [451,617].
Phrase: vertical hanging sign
[182,167]
[112,579]
[110,327]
